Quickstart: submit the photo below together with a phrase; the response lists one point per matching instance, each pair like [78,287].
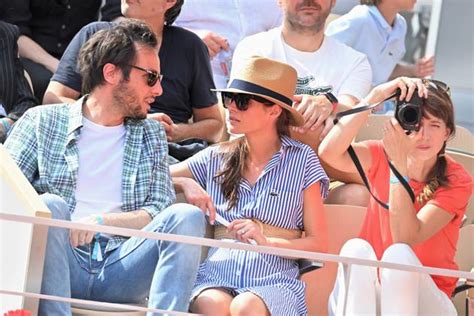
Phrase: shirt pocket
[282,208]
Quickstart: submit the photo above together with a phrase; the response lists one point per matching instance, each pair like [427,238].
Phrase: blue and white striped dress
[275,199]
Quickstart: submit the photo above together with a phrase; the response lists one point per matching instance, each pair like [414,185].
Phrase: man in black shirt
[187,78]
[46,28]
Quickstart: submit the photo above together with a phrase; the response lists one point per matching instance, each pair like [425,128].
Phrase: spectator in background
[221,24]
[323,65]
[15,92]
[376,29]
[187,78]
[46,28]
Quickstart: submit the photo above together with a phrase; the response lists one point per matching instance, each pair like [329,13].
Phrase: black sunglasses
[242,100]
[438,85]
[152,76]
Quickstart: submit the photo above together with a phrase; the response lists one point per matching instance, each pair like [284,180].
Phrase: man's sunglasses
[152,76]
[437,85]
[242,100]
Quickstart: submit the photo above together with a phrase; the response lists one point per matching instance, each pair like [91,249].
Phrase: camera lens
[409,114]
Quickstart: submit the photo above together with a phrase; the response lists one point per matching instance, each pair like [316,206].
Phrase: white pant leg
[361,298]
[410,293]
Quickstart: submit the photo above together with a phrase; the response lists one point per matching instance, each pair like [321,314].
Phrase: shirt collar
[378,17]
[374,11]
[75,118]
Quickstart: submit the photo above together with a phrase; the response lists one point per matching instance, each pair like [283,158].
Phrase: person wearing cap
[268,186]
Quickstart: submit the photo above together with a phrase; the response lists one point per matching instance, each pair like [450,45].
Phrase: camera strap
[361,108]
[356,160]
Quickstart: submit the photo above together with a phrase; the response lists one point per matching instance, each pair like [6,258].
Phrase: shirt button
[68,7]
[59,45]
[63,26]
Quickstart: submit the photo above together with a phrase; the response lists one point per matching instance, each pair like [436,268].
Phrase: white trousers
[399,292]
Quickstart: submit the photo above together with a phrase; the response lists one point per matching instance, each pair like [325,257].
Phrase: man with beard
[187,79]
[97,161]
[323,65]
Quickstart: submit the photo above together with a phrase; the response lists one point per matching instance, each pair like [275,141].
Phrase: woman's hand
[398,144]
[245,229]
[197,196]
[406,85]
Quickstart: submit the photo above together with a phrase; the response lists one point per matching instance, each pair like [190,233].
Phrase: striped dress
[275,199]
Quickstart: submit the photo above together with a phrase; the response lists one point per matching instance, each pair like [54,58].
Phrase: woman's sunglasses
[437,85]
[152,76]
[242,100]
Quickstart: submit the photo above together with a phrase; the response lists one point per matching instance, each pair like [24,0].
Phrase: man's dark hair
[115,45]
[173,12]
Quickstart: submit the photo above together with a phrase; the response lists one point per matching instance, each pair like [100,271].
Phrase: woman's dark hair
[172,13]
[439,105]
[115,45]
[235,153]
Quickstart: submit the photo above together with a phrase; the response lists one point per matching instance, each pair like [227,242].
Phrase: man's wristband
[99,219]
[395,180]
[6,124]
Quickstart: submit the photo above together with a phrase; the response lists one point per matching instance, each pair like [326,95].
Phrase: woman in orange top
[421,233]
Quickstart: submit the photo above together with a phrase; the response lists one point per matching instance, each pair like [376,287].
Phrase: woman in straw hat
[268,186]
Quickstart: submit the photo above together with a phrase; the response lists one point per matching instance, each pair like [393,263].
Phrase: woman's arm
[410,227]
[333,149]
[314,222]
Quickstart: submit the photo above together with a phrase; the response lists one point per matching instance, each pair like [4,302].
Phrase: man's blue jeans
[164,272]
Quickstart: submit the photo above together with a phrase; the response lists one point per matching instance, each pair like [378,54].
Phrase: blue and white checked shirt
[43,143]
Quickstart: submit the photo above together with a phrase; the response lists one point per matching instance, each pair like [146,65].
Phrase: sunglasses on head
[152,76]
[437,85]
[242,100]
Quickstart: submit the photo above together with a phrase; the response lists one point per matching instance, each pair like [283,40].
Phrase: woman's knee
[400,253]
[248,304]
[358,248]
[212,302]
[58,207]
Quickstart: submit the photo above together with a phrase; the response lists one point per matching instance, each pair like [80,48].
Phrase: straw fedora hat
[269,79]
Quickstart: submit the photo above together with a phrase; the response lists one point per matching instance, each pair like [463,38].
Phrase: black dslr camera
[408,113]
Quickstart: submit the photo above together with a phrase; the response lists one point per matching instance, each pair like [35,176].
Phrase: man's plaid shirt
[44,145]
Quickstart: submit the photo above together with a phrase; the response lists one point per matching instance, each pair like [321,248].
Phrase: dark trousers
[40,77]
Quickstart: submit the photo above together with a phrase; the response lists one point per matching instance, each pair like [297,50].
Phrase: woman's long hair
[439,105]
[235,154]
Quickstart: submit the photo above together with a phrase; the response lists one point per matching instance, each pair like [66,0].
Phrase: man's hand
[167,122]
[214,42]
[196,195]
[82,237]
[424,67]
[315,110]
